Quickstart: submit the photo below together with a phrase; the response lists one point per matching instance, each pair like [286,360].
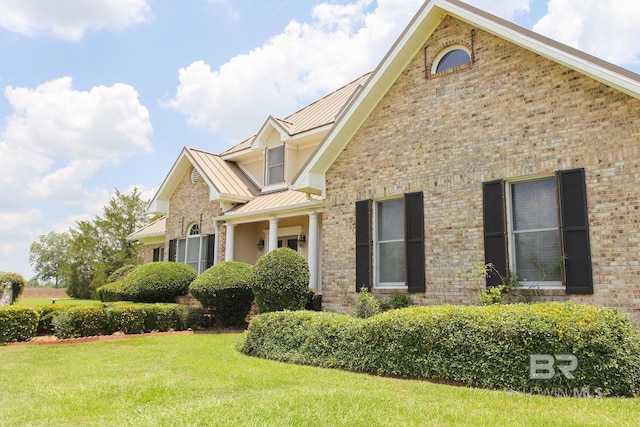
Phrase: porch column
[273,233]
[228,249]
[216,242]
[312,250]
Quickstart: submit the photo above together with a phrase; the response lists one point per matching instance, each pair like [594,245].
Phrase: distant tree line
[82,258]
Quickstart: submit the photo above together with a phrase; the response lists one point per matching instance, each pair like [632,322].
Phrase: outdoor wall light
[260,244]
[301,239]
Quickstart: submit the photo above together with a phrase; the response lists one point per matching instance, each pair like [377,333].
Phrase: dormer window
[275,165]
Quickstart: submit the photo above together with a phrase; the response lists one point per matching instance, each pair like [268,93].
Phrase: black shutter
[172,250]
[574,229]
[414,241]
[363,244]
[495,233]
[211,240]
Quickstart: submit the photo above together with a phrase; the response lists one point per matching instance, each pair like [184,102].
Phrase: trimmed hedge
[486,346]
[158,282]
[225,290]
[111,292]
[281,281]
[17,323]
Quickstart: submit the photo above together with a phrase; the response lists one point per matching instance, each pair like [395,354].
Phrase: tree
[48,255]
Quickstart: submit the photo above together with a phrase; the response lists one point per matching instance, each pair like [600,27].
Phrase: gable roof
[411,41]
[225,179]
[266,205]
[315,115]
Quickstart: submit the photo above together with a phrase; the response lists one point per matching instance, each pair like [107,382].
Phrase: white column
[216,242]
[312,250]
[273,233]
[228,249]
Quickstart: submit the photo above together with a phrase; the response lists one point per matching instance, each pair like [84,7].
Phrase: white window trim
[443,52]
[376,275]
[186,240]
[551,284]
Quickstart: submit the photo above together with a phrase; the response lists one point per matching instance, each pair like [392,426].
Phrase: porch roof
[281,204]
[155,229]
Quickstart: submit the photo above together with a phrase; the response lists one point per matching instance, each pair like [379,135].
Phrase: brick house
[476,140]
[473,141]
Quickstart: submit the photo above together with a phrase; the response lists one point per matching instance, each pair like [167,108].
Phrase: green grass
[61,301]
[187,380]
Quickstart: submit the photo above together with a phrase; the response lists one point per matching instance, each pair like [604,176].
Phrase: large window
[390,243]
[539,230]
[534,234]
[449,58]
[195,250]
[275,165]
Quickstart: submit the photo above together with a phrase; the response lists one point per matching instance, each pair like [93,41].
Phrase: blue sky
[103,94]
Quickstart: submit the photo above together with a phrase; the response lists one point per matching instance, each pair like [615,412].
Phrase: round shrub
[18,323]
[281,281]
[225,289]
[111,292]
[17,281]
[158,281]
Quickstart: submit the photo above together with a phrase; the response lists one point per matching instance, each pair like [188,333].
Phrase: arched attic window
[451,57]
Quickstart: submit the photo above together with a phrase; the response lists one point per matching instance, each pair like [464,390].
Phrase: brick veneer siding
[148,252]
[190,204]
[510,114]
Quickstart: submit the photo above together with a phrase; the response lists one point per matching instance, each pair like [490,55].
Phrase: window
[290,242]
[449,58]
[390,243]
[195,250]
[540,231]
[158,254]
[534,234]
[275,165]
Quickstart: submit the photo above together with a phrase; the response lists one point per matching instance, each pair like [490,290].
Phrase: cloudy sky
[103,94]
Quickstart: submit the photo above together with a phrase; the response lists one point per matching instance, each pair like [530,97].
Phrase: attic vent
[195,175]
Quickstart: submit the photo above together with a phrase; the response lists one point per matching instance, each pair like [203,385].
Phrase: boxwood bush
[225,289]
[281,281]
[158,282]
[487,346]
[18,323]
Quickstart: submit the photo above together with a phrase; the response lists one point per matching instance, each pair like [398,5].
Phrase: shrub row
[18,323]
[486,346]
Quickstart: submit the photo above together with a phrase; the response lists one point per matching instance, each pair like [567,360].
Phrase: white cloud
[69,19]
[304,61]
[506,9]
[607,29]
[12,221]
[57,137]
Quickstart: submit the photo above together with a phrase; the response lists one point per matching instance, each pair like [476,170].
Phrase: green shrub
[18,323]
[47,313]
[281,281]
[17,281]
[83,321]
[199,318]
[398,300]
[225,289]
[121,273]
[487,346]
[158,282]
[166,317]
[128,318]
[111,292]
[367,305]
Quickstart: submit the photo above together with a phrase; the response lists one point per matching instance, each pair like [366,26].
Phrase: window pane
[276,174]
[391,262]
[536,254]
[453,59]
[534,205]
[276,155]
[390,220]
[203,253]
[193,252]
[182,245]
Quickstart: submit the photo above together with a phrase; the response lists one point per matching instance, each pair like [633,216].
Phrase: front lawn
[202,380]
